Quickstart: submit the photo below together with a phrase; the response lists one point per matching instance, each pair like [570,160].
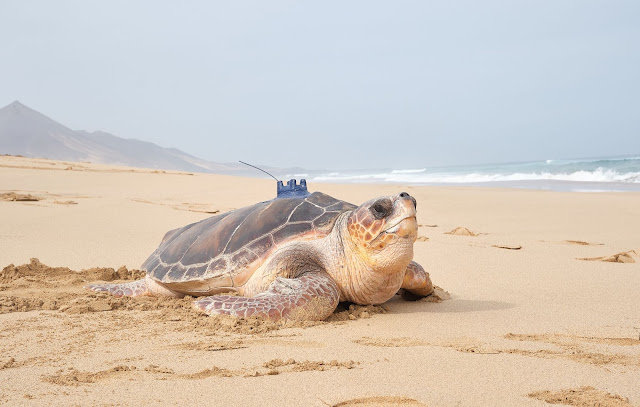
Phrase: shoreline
[20,162]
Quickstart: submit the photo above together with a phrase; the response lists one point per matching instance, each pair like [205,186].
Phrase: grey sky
[348,84]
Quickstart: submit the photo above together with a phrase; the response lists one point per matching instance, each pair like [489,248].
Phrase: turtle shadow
[454,305]
[461,305]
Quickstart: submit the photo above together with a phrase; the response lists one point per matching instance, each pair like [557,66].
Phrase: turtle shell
[223,251]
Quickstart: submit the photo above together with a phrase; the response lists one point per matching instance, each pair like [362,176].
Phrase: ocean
[581,175]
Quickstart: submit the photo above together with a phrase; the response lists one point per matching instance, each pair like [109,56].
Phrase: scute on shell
[226,244]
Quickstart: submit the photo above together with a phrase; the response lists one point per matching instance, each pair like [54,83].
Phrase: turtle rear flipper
[310,296]
[131,289]
[144,286]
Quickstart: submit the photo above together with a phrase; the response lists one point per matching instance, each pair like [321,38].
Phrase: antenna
[260,169]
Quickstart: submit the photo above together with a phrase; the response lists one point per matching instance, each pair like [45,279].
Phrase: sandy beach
[544,301]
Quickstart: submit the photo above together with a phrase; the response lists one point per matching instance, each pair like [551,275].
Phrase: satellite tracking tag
[293,189]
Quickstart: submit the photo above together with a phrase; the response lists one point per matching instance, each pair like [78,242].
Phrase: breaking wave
[609,170]
[599,175]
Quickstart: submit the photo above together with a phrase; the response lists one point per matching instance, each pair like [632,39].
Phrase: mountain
[24,131]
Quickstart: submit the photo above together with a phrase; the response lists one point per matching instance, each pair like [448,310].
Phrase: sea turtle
[294,257]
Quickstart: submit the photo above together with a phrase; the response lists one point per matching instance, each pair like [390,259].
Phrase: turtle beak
[403,222]
[405,196]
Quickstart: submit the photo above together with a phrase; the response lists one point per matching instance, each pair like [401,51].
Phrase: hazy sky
[335,84]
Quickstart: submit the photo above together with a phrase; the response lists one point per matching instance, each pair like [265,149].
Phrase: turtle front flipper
[310,296]
[416,283]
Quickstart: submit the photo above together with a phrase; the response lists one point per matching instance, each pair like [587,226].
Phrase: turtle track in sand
[74,377]
[381,401]
[597,351]
[585,396]
[622,257]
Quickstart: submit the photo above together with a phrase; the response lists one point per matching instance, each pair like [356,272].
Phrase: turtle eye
[381,208]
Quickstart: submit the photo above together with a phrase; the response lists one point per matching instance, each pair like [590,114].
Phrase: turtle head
[384,229]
